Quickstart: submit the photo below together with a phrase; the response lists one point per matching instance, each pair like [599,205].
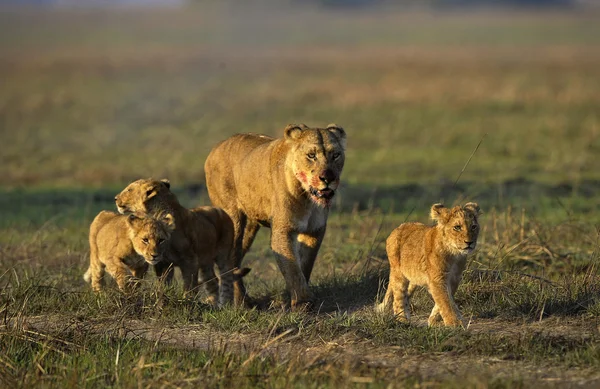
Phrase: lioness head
[317,158]
[149,235]
[459,225]
[140,195]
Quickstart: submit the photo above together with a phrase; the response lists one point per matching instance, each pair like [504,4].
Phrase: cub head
[142,196]
[150,235]
[459,225]
[317,159]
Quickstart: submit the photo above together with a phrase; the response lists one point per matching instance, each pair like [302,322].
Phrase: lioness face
[150,236]
[317,159]
[137,196]
[459,225]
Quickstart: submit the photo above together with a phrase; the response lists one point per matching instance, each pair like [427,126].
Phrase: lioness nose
[469,243]
[327,176]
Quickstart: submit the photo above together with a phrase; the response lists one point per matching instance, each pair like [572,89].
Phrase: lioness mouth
[325,194]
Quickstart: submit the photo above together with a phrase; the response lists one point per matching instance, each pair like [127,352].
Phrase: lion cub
[202,237]
[434,257]
[123,244]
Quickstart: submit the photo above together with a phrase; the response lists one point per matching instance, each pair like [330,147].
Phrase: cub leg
[140,272]
[444,303]
[96,274]
[210,282]
[164,271]
[226,275]
[399,286]
[189,272]
[119,272]
[435,316]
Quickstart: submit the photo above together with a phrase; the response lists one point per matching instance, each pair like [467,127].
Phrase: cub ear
[339,132]
[151,192]
[131,219]
[155,186]
[473,207]
[439,213]
[293,131]
[240,273]
[169,220]
[166,183]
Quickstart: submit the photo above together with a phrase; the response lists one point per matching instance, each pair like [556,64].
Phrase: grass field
[92,99]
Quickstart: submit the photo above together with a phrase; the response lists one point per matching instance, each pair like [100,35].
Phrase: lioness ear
[166,183]
[339,132]
[439,213]
[169,220]
[473,207]
[293,131]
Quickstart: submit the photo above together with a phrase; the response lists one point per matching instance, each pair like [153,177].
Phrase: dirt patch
[346,350]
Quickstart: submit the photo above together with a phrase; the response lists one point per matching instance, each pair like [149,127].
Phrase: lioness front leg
[444,303]
[282,243]
[308,245]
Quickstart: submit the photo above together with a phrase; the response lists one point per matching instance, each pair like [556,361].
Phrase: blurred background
[98,93]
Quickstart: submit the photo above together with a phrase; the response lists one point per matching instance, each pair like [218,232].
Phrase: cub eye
[311,155]
[336,155]
[145,240]
[160,241]
[149,192]
[474,227]
[457,228]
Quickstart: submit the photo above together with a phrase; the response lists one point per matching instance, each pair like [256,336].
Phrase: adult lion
[286,184]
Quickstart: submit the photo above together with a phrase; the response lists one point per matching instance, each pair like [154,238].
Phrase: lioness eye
[160,241]
[336,155]
[474,227]
[311,155]
[457,228]
[145,240]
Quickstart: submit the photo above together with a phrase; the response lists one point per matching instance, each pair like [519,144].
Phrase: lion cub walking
[434,257]
[202,237]
[123,244]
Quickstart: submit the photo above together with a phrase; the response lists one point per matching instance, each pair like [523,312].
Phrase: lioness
[202,237]
[434,257]
[121,244]
[286,184]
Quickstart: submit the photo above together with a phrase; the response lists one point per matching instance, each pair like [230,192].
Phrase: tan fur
[123,244]
[202,237]
[285,184]
[434,257]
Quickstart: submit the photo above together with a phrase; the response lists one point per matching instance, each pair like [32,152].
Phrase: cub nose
[327,176]
[468,243]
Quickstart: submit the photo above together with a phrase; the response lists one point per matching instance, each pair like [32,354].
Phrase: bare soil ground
[346,350]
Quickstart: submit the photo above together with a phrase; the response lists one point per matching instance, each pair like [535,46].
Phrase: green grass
[91,100]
